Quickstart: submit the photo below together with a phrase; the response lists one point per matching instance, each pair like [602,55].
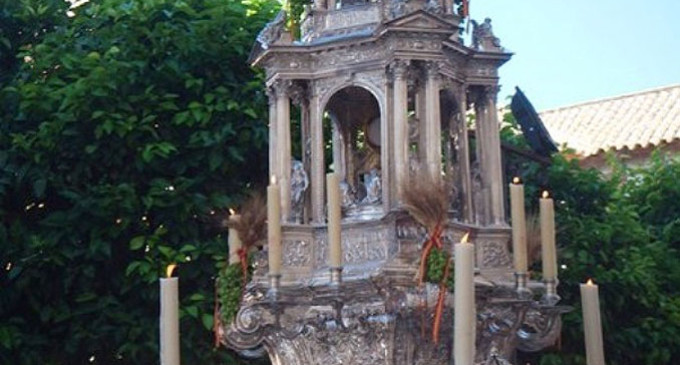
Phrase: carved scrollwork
[432,69]
[541,327]
[399,68]
[281,87]
[297,253]
[495,254]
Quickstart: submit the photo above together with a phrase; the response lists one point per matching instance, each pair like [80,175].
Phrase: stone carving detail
[272,31]
[432,70]
[343,347]
[297,253]
[376,78]
[379,321]
[299,182]
[359,247]
[399,68]
[282,87]
[419,44]
[359,15]
[413,139]
[333,58]
[373,187]
[495,254]
[363,246]
[434,6]
[348,195]
[483,37]
[322,87]
[260,263]
[321,250]
[298,93]
[542,327]
[353,252]
[372,312]
[410,230]
[397,8]
[288,62]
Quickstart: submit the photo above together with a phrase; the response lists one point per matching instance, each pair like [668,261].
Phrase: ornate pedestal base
[379,322]
[373,311]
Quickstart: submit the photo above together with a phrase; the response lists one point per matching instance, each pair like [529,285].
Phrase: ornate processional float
[384,91]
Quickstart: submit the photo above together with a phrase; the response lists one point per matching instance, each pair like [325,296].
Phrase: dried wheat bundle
[426,199]
[251,228]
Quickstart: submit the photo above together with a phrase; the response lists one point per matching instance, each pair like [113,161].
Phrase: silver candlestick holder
[550,296]
[523,291]
[336,275]
[274,285]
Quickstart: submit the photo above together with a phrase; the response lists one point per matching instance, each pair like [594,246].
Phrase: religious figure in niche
[413,139]
[367,150]
[347,195]
[298,185]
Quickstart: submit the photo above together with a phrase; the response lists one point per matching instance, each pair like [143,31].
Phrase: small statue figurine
[433,6]
[373,187]
[413,140]
[397,8]
[272,31]
[347,195]
[482,36]
[298,185]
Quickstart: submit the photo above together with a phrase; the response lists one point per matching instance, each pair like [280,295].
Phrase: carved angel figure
[373,187]
[347,195]
[397,8]
[433,6]
[272,31]
[298,185]
[482,35]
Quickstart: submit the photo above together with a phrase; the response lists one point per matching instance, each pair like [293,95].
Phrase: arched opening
[352,139]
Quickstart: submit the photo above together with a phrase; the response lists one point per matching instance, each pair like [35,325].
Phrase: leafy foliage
[618,230]
[229,291]
[436,263]
[128,131]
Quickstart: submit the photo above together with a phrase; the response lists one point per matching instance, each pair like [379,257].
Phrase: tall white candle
[464,304]
[548,237]
[334,215]
[234,240]
[519,226]
[274,227]
[169,318]
[592,324]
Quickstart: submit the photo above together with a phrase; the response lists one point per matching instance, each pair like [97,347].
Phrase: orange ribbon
[439,308]
[243,258]
[434,240]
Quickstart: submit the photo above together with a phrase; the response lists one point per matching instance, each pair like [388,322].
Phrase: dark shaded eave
[535,133]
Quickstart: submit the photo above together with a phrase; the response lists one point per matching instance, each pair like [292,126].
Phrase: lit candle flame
[169,270]
[232,211]
[516,180]
[273,180]
[589,282]
[465,238]
[546,195]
